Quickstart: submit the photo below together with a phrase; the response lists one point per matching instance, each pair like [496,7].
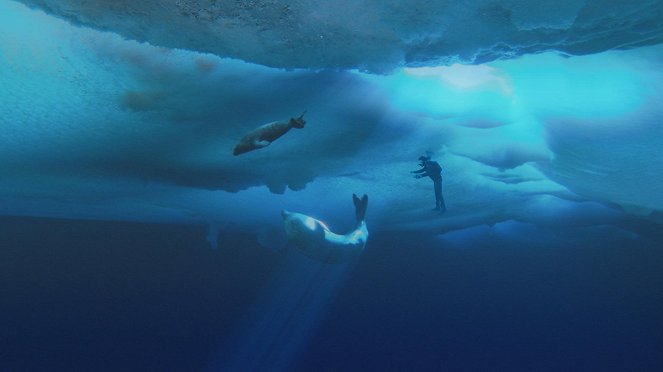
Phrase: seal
[265,134]
[315,240]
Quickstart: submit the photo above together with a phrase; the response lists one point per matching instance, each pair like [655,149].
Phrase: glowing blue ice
[96,126]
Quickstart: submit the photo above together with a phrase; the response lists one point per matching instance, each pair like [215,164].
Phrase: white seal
[314,238]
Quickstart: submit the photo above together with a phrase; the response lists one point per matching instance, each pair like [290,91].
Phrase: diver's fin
[360,206]
[213,230]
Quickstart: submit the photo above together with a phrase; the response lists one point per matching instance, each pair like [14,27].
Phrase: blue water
[546,122]
[83,295]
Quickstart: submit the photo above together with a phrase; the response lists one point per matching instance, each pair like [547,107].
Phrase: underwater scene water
[331,186]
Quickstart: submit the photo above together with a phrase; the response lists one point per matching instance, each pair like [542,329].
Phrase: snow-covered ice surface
[129,110]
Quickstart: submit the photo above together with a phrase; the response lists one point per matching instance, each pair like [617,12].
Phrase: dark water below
[82,295]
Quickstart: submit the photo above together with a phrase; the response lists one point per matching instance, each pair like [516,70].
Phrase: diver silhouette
[433,170]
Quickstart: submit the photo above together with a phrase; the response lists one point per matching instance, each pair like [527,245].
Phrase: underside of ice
[98,126]
[373,35]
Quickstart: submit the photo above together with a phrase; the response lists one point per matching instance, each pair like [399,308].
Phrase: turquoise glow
[593,87]
[476,93]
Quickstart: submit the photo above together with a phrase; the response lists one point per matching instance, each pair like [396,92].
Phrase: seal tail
[360,206]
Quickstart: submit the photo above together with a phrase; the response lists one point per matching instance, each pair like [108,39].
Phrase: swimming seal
[314,238]
[266,134]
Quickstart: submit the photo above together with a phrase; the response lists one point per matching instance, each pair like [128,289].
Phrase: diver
[433,170]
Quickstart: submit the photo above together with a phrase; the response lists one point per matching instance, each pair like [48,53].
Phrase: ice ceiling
[373,35]
[120,124]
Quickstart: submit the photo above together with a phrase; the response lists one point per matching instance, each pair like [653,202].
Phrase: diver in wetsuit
[433,170]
